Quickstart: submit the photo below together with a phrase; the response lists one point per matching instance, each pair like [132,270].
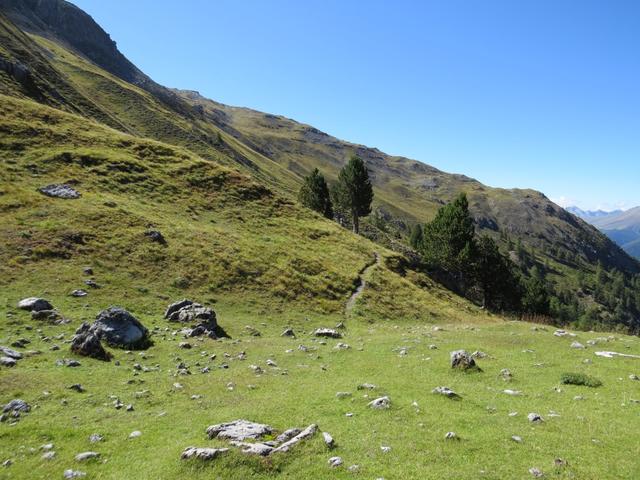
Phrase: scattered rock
[74,474]
[536,472]
[366,386]
[95,438]
[516,438]
[185,345]
[34,304]
[202,453]
[462,360]
[327,332]
[8,362]
[577,345]
[506,374]
[155,236]
[328,440]
[288,332]
[451,436]
[253,448]
[447,392]
[252,331]
[287,435]
[335,462]
[84,456]
[48,455]
[341,395]
[342,346]
[535,418]
[380,403]
[79,293]
[135,434]
[60,191]
[513,393]
[76,387]
[202,319]
[87,343]
[563,333]
[303,435]
[8,352]
[50,316]
[15,407]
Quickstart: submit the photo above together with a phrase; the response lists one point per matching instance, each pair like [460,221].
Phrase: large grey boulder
[34,304]
[60,191]
[119,328]
[201,320]
[85,342]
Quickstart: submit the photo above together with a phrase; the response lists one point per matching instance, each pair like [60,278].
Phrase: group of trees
[473,264]
[350,197]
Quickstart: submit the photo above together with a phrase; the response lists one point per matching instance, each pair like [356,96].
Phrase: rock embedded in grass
[256,448]
[303,435]
[460,359]
[85,456]
[34,304]
[447,392]
[327,332]
[60,190]
[70,474]
[328,440]
[335,462]
[239,430]
[202,453]
[202,319]
[119,328]
[535,417]
[380,403]
[288,332]
[87,343]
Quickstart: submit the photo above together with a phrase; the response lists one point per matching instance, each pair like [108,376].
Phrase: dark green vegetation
[352,193]
[314,194]
[580,379]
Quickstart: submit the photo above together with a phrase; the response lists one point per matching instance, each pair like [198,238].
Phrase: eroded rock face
[34,304]
[87,343]
[239,430]
[119,328]
[202,319]
[60,191]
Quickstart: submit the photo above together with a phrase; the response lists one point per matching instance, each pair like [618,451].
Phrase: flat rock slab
[57,190]
[303,435]
[202,453]
[253,448]
[616,354]
[239,430]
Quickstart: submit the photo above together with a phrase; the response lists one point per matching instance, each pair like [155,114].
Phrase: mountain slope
[67,74]
[623,227]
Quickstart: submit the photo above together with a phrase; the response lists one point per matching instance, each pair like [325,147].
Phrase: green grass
[598,436]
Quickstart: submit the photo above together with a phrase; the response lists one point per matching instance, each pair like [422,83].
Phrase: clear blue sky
[529,93]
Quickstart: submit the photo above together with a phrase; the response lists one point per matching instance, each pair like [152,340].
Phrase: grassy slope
[230,241]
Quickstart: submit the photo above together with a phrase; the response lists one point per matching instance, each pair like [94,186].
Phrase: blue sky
[531,93]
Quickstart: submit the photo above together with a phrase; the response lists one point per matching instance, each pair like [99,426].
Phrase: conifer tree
[353,192]
[314,194]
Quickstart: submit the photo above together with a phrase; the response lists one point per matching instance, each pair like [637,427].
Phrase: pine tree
[314,194]
[448,240]
[415,238]
[494,274]
[353,192]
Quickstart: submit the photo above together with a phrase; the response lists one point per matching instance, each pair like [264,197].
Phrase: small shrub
[579,379]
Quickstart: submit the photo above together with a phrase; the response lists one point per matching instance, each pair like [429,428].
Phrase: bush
[579,379]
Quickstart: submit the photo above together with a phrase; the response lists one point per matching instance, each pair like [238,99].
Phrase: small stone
[366,386]
[380,403]
[288,332]
[76,387]
[84,456]
[462,360]
[327,332]
[447,392]
[34,304]
[74,474]
[95,438]
[513,393]
[129,408]
[328,440]
[385,449]
[335,462]
[451,436]
[535,417]
[516,438]
[48,455]
[536,472]
[341,395]
[79,293]
[577,345]
[202,453]
[185,345]
[135,434]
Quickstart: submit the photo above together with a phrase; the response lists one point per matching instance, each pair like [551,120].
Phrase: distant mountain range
[623,227]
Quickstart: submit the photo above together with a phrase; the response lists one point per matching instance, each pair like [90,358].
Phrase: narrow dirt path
[361,283]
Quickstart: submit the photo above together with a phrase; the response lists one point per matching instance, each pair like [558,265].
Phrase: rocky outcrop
[60,191]
[87,343]
[34,304]
[201,320]
[119,328]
